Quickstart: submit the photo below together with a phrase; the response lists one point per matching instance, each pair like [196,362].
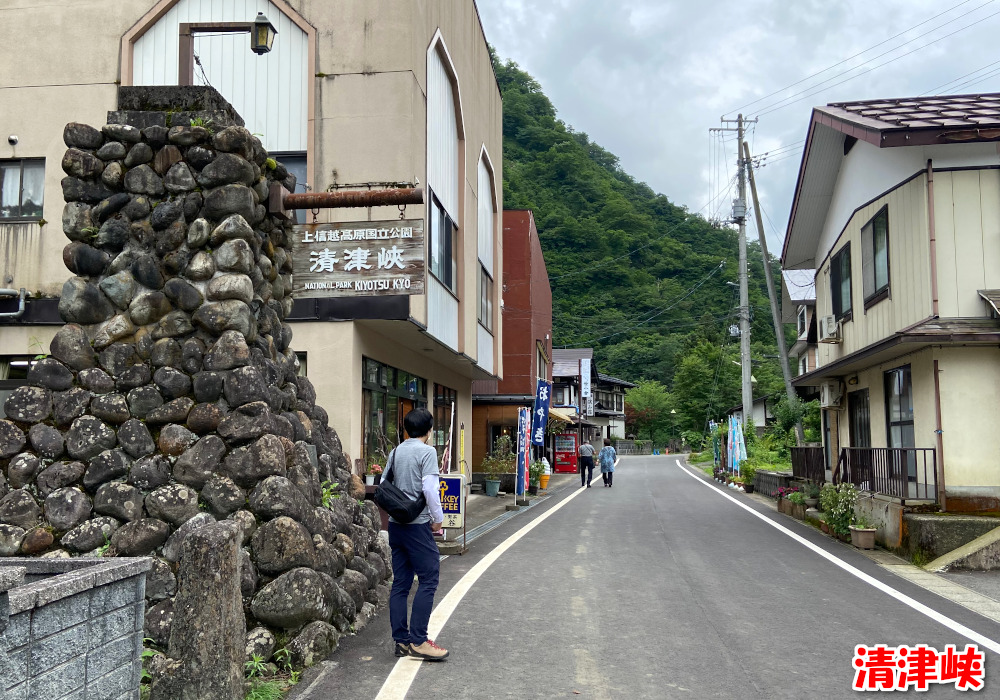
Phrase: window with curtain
[485,299]
[22,186]
[840,283]
[875,257]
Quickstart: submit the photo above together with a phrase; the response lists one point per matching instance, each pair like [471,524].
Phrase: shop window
[388,394]
[445,405]
[22,186]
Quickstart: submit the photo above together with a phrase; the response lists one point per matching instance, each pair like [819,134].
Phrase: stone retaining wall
[73,628]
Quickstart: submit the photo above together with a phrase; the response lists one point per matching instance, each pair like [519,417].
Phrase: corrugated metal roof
[608,379]
[566,361]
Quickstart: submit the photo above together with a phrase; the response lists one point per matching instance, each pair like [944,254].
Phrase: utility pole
[779,328]
[739,216]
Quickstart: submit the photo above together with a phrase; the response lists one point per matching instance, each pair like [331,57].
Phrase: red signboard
[565,462]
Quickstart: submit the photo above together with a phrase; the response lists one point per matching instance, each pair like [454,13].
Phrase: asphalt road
[660,587]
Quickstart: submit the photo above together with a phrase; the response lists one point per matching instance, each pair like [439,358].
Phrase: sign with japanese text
[590,405]
[368,258]
[523,426]
[540,413]
[584,377]
[452,490]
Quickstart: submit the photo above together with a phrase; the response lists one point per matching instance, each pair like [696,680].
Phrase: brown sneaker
[428,651]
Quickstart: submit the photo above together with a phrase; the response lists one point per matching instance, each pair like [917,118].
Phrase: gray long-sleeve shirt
[414,470]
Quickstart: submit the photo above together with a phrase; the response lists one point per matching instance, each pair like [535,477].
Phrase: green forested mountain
[630,271]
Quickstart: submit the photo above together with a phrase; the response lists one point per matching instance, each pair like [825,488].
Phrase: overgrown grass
[701,457]
[266,690]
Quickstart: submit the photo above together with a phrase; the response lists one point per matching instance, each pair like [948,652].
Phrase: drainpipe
[20,294]
[942,498]
[933,238]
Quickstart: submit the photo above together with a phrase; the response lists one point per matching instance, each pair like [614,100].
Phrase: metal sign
[584,377]
[452,490]
[540,414]
[370,258]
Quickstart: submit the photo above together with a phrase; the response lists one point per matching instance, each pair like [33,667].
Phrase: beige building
[355,95]
[897,208]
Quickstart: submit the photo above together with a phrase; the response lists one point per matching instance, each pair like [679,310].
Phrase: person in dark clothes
[586,464]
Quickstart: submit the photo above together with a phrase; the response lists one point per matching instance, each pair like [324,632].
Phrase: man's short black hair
[418,422]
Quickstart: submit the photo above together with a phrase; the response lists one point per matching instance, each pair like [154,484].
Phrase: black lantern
[262,35]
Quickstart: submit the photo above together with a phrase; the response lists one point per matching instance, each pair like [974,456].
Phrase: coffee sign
[368,258]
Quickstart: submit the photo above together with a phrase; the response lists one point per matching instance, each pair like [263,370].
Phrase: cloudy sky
[647,79]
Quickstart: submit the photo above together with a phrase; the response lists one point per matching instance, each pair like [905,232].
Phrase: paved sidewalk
[484,511]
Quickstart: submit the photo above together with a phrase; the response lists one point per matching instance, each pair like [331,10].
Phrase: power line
[934,91]
[850,58]
[777,105]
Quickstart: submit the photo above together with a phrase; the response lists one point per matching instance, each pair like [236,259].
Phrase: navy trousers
[413,552]
[586,470]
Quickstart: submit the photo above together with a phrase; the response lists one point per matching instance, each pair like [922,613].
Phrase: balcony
[906,473]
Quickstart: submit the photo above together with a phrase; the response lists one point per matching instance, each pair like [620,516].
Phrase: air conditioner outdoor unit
[829,329]
[829,394]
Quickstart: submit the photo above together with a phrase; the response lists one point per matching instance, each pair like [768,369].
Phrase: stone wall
[171,397]
[73,630]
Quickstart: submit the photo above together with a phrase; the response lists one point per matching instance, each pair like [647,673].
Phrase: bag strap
[388,469]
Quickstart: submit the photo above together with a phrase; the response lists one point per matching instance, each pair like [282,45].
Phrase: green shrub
[838,503]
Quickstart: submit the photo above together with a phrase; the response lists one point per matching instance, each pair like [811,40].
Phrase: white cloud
[646,79]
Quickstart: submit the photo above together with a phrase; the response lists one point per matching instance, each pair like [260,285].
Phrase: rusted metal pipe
[364,198]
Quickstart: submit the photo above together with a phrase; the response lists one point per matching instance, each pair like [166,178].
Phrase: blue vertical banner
[523,426]
[540,414]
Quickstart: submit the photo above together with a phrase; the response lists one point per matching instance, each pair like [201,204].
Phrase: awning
[561,416]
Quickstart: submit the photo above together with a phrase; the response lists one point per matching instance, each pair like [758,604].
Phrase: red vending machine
[565,462]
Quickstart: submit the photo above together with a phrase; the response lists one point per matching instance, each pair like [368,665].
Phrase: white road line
[870,580]
[399,680]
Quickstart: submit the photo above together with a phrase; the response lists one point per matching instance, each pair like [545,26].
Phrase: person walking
[609,460]
[586,464]
[413,465]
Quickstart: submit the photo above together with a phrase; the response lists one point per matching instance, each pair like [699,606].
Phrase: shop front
[387,394]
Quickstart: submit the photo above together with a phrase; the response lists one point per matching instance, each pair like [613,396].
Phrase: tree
[648,405]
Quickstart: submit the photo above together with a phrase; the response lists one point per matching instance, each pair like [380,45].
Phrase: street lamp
[261,31]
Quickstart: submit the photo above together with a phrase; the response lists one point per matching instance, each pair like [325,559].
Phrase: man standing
[586,464]
[413,467]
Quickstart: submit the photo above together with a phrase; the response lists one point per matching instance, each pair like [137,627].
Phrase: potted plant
[373,474]
[499,462]
[535,472]
[749,475]
[797,504]
[838,507]
[863,532]
[812,494]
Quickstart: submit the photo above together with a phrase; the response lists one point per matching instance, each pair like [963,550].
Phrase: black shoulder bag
[397,504]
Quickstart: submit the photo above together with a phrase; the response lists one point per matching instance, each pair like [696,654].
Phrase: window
[899,419]
[859,418]
[801,323]
[387,395]
[875,258]
[803,365]
[445,404]
[840,283]
[559,396]
[541,364]
[22,183]
[13,373]
[485,299]
[444,265]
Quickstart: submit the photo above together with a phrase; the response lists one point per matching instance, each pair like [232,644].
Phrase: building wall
[483,416]
[909,272]
[970,393]
[527,313]
[368,124]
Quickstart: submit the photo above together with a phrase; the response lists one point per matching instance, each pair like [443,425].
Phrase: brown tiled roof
[968,115]
[917,112]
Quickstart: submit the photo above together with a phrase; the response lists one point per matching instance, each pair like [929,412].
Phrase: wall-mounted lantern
[261,31]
